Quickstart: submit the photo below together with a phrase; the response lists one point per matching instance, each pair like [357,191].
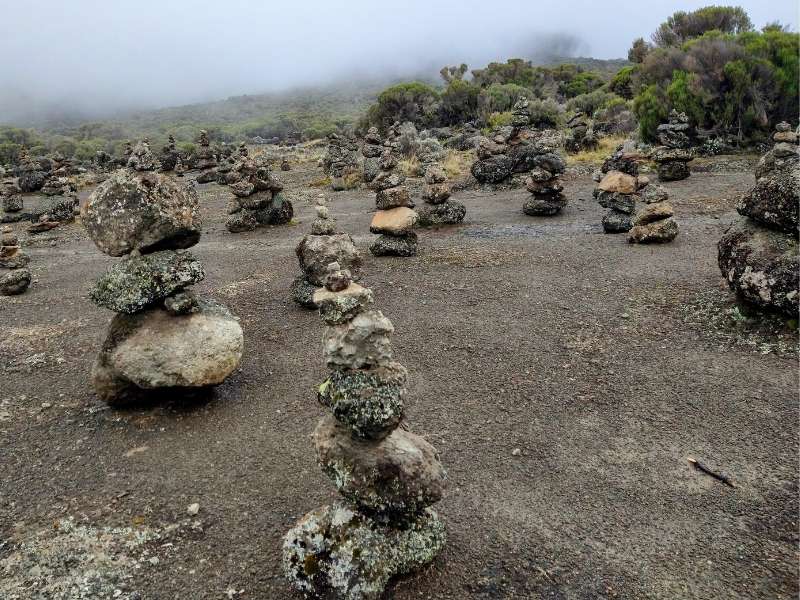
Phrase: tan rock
[656,232]
[396,221]
[619,182]
[654,212]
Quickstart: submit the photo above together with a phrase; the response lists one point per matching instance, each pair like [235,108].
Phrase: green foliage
[622,83]
[582,83]
[545,114]
[591,102]
[683,26]
[650,109]
[684,95]
[500,97]
[638,51]
[459,103]
[414,101]
[499,119]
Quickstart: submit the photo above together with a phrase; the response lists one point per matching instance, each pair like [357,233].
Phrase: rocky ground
[564,375]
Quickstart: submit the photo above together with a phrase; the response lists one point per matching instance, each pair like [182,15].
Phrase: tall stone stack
[31,176]
[372,150]
[439,209]
[395,218]
[163,338]
[316,251]
[341,160]
[674,154]
[617,192]
[169,155]
[759,256]
[14,274]
[543,181]
[205,159]
[11,203]
[257,198]
[387,476]
[580,134]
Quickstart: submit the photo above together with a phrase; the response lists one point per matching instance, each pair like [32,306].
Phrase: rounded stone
[544,206]
[654,232]
[15,282]
[316,252]
[392,245]
[447,213]
[617,222]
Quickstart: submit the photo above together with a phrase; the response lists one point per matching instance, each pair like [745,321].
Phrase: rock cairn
[387,476]
[257,198]
[31,176]
[14,274]
[580,134]
[205,159]
[543,181]
[439,209]
[169,155]
[372,150]
[180,169]
[759,256]
[317,250]
[617,192]
[341,161]
[163,337]
[11,202]
[655,224]
[395,218]
[673,156]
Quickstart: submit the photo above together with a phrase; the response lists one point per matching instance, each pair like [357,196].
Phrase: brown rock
[616,181]
[654,212]
[396,221]
[393,198]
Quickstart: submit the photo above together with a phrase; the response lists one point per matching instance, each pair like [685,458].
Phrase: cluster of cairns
[323,246]
[30,174]
[14,274]
[205,159]
[439,209]
[388,477]
[256,197]
[395,218]
[759,256]
[515,149]
[163,338]
[674,155]
[233,168]
[580,135]
[341,160]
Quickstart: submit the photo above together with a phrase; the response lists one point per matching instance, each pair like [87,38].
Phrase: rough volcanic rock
[302,292]
[396,221]
[395,197]
[365,341]
[775,199]
[316,252]
[447,213]
[617,222]
[616,181]
[339,307]
[544,206]
[654,232]
[624,203]
[14,282]
[493,170]
[392,245]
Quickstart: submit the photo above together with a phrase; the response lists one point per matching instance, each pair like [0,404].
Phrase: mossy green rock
[368,401]
[337,552]
[139,281]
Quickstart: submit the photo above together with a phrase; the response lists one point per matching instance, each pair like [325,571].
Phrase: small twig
[704,469]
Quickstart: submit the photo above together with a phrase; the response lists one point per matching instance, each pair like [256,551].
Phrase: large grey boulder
[775,199]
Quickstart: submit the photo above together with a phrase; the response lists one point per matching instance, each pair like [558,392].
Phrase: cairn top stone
[141,158]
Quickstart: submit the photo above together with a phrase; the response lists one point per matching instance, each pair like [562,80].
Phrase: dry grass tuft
[410,167]
[457,164]
[604,149]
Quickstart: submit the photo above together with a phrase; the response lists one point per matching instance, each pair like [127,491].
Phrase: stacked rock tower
[759,256]
[439,209]
[205,160]
[316,251]
[14,274]
[388,477]
[617,192]
[256,197]
[674,154]
[395,219]
[169,155]
[163,337]
[543,181]
[341,159]
[372,150]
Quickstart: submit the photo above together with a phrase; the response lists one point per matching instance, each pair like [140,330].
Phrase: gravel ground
[564,375]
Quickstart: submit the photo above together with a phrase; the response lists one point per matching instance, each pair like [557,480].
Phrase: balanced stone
[391,245]
[364,341]
[316,252]
[393,198]
[396,221]
[15,282]
[139,281]
[337,307]
[654,225]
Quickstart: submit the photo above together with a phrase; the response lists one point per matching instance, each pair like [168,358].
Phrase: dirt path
[538,334]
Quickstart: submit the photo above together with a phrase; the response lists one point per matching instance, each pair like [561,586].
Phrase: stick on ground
[704,469]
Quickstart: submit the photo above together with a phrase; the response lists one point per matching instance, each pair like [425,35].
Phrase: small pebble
[193,509]
[516,452]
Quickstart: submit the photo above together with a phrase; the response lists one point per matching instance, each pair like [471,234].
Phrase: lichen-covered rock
[279,212]
[336,552]
[183,302]
[616,181]
[447,213]
[654,212]
[339,307]
[762,266]
[11,202]
[386,179]
[673,171]
[136,282]
[393,198]
[495,169]
[371,169]
[617,222]
[775,199]
[302,292]
[392,245]
[13,257]
[368,401]
[364,341]
[624,203]
[316,252]
[32,181]
[14,282]
[436,193]
[141,211]
[544,206]
[153,350]
[652,194]
[243,220]
[392,480]
[654,232]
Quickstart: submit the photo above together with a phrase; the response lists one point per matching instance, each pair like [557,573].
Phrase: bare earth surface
[598,360]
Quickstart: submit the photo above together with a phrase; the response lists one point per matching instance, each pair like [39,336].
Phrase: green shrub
[459,103]
[650,108]
[591,102]
[415,102]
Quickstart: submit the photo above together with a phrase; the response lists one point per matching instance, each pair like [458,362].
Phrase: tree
[639,51]
[650,108]
[459,103]
[414,101]
[683,26]
[453,73]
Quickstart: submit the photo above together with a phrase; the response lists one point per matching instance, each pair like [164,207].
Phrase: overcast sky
[105,55]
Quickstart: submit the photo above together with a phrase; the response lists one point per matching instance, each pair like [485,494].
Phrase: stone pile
[543,181]
[341,160]
[580,134]
[674,154]
[654,224]
[256,198]
[30,175]
[11,203]
[14,274]
[395,218]
[372,150]
[759,256]
[439,209]
[617,192]
[317,250]
[163,337]
[169,155]
[229,170]
[388,477]
[205,159]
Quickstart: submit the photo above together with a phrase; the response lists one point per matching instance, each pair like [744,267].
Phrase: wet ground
[606,365]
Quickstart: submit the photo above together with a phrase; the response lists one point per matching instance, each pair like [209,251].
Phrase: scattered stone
[193,509]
